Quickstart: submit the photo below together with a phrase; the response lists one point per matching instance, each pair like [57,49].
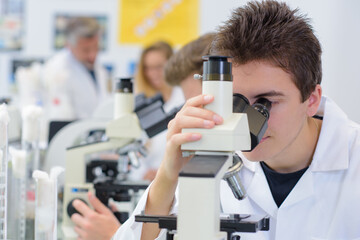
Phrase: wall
[335,22]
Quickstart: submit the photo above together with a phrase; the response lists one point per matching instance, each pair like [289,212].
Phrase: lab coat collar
[330,154]
[303,189]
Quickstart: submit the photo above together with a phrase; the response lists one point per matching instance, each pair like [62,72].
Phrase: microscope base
[229,224]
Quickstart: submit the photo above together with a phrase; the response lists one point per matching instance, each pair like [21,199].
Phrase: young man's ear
[314,101]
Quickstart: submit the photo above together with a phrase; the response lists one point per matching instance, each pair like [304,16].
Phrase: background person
[181,67]
[75,82]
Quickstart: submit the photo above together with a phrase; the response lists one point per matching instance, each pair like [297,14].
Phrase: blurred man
[74,82]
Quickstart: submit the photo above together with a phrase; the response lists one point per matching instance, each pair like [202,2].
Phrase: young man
[304,173]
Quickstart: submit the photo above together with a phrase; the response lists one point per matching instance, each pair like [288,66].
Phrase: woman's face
[154,62]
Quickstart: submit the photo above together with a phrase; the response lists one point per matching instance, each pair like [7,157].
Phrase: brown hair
[81,27]
[270,31]
[142,83]
[188,59]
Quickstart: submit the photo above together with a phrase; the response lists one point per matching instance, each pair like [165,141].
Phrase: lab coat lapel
[262,198]
[302,190]
[330,156]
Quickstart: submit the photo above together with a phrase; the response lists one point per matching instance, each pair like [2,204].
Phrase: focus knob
[70,208]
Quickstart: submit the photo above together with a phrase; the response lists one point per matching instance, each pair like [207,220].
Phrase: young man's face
[287,116]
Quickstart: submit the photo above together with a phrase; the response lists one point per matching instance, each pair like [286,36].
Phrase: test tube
[4,121]
[31,116]
[46,204]
[17,194]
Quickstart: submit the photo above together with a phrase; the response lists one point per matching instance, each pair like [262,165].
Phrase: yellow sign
[146,21]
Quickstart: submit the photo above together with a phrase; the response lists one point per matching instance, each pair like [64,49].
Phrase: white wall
[336,24]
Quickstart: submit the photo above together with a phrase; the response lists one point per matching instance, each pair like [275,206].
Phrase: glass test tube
[4,121]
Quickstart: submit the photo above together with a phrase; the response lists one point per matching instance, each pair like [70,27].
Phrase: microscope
[214,159]
[153,120]
[109,180]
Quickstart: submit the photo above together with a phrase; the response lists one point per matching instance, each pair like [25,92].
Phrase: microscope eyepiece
[258,115]
[216,68]
[263,106]
[215,58]
[124,85]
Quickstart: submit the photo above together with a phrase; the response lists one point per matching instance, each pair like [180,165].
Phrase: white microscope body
[121,131]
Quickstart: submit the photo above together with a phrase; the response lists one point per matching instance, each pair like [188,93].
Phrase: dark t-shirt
[281,184]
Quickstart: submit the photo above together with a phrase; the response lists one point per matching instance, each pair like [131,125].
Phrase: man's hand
[97,224]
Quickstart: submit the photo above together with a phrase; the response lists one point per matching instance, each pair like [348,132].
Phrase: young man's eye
[263,102]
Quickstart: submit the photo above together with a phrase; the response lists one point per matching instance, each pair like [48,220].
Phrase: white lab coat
[70,90]
[324,204]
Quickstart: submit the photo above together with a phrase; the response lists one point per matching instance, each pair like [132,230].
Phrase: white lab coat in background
[70,90]
[324,204]
[156,145]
